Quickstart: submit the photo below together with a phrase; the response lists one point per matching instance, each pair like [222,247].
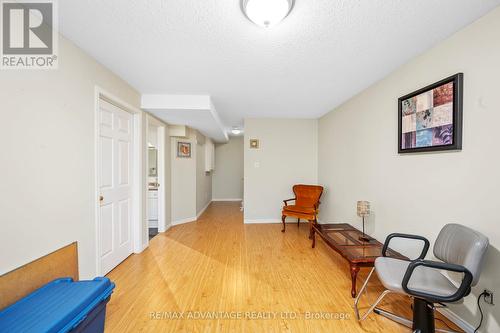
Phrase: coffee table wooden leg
[354,275]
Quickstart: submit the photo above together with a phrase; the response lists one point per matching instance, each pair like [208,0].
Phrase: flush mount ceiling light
[266,13]
[236,131]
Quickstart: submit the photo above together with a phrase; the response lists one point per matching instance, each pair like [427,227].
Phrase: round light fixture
[266,13]
[235,131]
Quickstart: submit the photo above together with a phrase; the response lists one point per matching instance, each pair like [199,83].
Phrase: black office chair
[461,250]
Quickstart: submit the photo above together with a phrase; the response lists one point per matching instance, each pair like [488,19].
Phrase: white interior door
[115,185]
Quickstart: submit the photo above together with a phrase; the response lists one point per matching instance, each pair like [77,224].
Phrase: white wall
[191,186]
[287,156]
[183,183]
[47,176]
[419,193]
[228,173]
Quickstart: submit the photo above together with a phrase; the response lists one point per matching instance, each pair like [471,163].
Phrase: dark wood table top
[344,238]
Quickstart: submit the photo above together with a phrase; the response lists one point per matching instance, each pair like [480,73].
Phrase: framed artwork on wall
[430,119]
[184,149]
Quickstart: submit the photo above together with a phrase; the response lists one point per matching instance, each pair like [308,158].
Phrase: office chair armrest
[461,292]
[398,235]
[286,201]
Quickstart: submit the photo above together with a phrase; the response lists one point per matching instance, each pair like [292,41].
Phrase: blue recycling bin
[60,306]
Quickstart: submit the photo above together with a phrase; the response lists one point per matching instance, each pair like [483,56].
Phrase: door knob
[101,198]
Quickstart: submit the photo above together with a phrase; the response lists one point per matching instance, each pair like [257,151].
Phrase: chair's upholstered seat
[299,209]
[391,272]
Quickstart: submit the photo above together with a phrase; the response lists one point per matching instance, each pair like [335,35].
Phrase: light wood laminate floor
[219,266]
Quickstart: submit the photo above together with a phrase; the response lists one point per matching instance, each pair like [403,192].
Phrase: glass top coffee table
[344,239]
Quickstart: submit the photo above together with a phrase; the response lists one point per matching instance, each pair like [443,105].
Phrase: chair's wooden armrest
[286,201]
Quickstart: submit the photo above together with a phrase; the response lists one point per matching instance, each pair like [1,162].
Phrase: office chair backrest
[460,245]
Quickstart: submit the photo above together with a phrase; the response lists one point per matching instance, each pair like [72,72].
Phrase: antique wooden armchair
[306,204]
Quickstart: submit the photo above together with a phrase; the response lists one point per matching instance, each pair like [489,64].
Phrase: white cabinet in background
[209,155]
[153,209]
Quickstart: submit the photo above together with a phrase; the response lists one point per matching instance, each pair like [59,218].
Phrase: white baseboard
[453,317]
[190,219]
[268,221]
[203,210]
[186,220]
[261,221]
[228,199]
[166,228]
[143,247]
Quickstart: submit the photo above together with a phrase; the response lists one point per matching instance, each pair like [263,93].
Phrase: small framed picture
[184,149]
[254,144]
[430,119]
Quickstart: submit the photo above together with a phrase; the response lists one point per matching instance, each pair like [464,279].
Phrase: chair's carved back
[307,195]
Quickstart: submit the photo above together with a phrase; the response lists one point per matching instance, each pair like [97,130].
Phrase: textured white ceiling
[323,53]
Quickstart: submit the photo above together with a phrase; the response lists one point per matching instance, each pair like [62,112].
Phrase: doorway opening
[228,176]
[156,177]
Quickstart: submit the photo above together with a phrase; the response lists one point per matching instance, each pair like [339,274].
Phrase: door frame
[138,195]
[162,190]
